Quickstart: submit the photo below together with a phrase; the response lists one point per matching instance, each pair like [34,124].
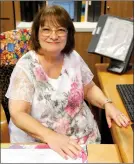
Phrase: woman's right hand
[64,145]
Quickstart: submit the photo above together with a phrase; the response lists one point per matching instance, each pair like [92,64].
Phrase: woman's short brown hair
[58,16]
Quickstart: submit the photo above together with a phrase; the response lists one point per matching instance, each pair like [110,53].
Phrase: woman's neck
[50,57]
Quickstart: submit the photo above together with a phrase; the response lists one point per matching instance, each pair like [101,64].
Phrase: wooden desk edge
[102,68]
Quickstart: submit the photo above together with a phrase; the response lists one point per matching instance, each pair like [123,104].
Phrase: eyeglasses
[59,32]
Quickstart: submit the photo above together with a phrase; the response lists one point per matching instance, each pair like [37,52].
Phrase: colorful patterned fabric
[14,44]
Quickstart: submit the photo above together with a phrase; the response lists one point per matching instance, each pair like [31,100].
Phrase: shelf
[79,26]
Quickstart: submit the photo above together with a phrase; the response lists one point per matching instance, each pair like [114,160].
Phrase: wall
[82,41]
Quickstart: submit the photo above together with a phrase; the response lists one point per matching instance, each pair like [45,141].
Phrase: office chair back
[4,135]
[14,44]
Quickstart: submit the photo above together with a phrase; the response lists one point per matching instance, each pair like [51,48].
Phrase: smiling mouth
[53,42]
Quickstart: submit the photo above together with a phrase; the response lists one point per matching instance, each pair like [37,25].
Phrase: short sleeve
[20,87]
[86,73]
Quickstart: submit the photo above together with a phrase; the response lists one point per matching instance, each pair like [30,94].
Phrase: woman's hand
[64,145]
[114,114]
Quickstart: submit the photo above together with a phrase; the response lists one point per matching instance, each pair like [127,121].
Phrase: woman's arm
[62,144]
[95,96]
[20,115]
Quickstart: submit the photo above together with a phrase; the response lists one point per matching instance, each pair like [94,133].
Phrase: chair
[4,137]
[5,73]
[14,44]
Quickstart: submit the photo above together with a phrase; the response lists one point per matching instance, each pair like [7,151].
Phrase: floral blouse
[56,103]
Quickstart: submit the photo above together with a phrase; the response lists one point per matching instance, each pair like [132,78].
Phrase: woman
[48,87]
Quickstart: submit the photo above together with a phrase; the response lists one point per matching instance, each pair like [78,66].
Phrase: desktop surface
[103,153]
[123,137]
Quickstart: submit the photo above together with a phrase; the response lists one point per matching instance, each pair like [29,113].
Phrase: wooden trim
[17,12]
[102,7]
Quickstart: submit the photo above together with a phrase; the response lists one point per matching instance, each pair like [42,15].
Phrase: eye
[46,29]
[62,30]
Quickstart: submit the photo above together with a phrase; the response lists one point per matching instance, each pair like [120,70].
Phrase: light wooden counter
[123,137]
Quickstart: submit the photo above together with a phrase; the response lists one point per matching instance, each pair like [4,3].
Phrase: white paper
[34,156]
[116,38]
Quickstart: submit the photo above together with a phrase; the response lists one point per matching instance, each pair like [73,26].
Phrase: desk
[97,153]
[123,137]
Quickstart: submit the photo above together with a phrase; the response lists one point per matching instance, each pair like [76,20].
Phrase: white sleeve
[86,73]
[20,87]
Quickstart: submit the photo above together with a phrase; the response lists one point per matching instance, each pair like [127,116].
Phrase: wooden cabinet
[82,40]
[6,16]
[17,12]
[122,9]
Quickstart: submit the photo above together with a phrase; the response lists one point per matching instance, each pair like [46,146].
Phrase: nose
[53,35]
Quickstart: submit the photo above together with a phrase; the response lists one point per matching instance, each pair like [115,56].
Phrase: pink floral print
[62,126]
[61,109]
[74,100]
[40,75]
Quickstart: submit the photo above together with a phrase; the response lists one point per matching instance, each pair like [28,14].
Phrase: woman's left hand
[112,113]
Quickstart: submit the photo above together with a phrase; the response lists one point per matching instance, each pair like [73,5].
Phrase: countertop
[79,26]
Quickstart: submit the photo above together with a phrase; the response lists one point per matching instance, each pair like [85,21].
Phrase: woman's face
[52,38]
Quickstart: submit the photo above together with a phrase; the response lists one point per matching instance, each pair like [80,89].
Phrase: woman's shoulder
[25,63]
[74,57]
[74,54]
[26,59]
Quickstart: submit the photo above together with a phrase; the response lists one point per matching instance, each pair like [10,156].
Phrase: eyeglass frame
[51,31]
